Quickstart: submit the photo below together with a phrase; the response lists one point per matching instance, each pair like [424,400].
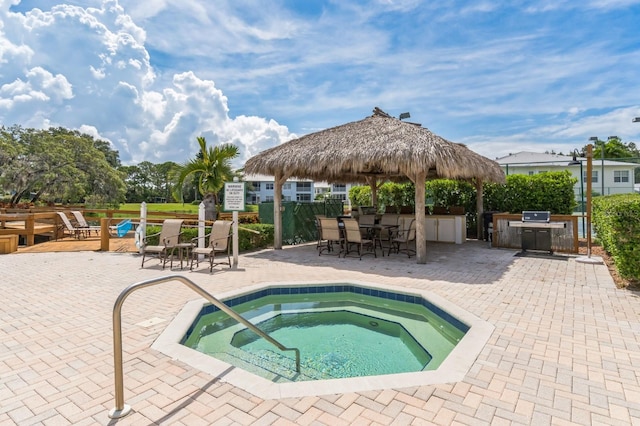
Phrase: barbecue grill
[536,229]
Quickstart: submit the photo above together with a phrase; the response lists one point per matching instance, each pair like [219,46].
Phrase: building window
[303,186]
[594,176]
[256,186]
[339,188]
[286,198]
[268,186]
[269,199]
[531,173]
[286,187]
[621,176]
[303,197]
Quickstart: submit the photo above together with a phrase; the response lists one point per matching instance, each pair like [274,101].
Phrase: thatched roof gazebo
[373,150]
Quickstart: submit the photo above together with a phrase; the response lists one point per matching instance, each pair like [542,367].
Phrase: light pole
[588,258]
[595,140]
[575,162]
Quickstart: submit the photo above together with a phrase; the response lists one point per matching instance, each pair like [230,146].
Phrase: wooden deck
[29,225]
[92,243]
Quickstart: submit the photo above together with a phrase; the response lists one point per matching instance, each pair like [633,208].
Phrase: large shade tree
[212,167]
[149,182]
[58,164]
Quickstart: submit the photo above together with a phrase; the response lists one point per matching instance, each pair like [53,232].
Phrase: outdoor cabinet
[536,239]
[446,228]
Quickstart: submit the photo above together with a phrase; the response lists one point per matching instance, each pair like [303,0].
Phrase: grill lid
[536,216]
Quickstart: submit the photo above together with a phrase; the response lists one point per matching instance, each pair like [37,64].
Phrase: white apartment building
[260,188]
[607,177]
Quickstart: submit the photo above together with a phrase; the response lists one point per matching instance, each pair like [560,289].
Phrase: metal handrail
[121,409]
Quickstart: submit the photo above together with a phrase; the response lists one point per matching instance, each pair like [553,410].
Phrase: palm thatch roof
[375,149]
[378,146]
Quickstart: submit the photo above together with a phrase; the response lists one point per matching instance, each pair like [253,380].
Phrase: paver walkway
[565,350]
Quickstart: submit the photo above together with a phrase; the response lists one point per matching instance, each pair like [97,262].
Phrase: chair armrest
[195,239]
[177,236]
[220,239]
[146,237]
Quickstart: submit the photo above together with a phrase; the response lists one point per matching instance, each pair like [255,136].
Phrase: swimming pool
[400,314]
[342,330]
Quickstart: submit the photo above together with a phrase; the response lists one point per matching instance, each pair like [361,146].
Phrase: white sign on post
[234,201]
[234,196]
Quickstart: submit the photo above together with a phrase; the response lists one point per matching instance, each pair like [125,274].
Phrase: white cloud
[57,87]
[88,69]
[40,89]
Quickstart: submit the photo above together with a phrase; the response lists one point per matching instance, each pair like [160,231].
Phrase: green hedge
[616,220]
[551,191]
[389,194]
[248,240]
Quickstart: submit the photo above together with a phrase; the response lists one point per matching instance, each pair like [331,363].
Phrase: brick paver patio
[565,350]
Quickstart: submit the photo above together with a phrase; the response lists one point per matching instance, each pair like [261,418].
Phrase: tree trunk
[36,197]
[210,212]
[15,199]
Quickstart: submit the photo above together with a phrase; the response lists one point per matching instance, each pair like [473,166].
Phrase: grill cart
[535,230]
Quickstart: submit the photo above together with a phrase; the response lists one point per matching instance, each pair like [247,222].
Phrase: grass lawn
[173,207]
[163,207]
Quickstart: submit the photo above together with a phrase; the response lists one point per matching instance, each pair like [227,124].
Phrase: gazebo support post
[421,235]
[277,209]
[479,209]
[373,184]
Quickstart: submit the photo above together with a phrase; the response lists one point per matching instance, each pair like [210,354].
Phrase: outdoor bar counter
[446,228]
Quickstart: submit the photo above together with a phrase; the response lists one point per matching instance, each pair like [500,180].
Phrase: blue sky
[150,76]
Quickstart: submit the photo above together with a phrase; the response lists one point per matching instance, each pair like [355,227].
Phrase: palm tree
[212,167]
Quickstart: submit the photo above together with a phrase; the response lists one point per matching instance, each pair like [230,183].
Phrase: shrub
[251,241]
[552,191]
[616,219]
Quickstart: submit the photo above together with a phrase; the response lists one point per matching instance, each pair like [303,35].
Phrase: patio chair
[82,223]
[366,222]
[168,240]
[319,229]
[405,235]
[329,235]
[354,237]
[219,242]
[388,228]
[68,227]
